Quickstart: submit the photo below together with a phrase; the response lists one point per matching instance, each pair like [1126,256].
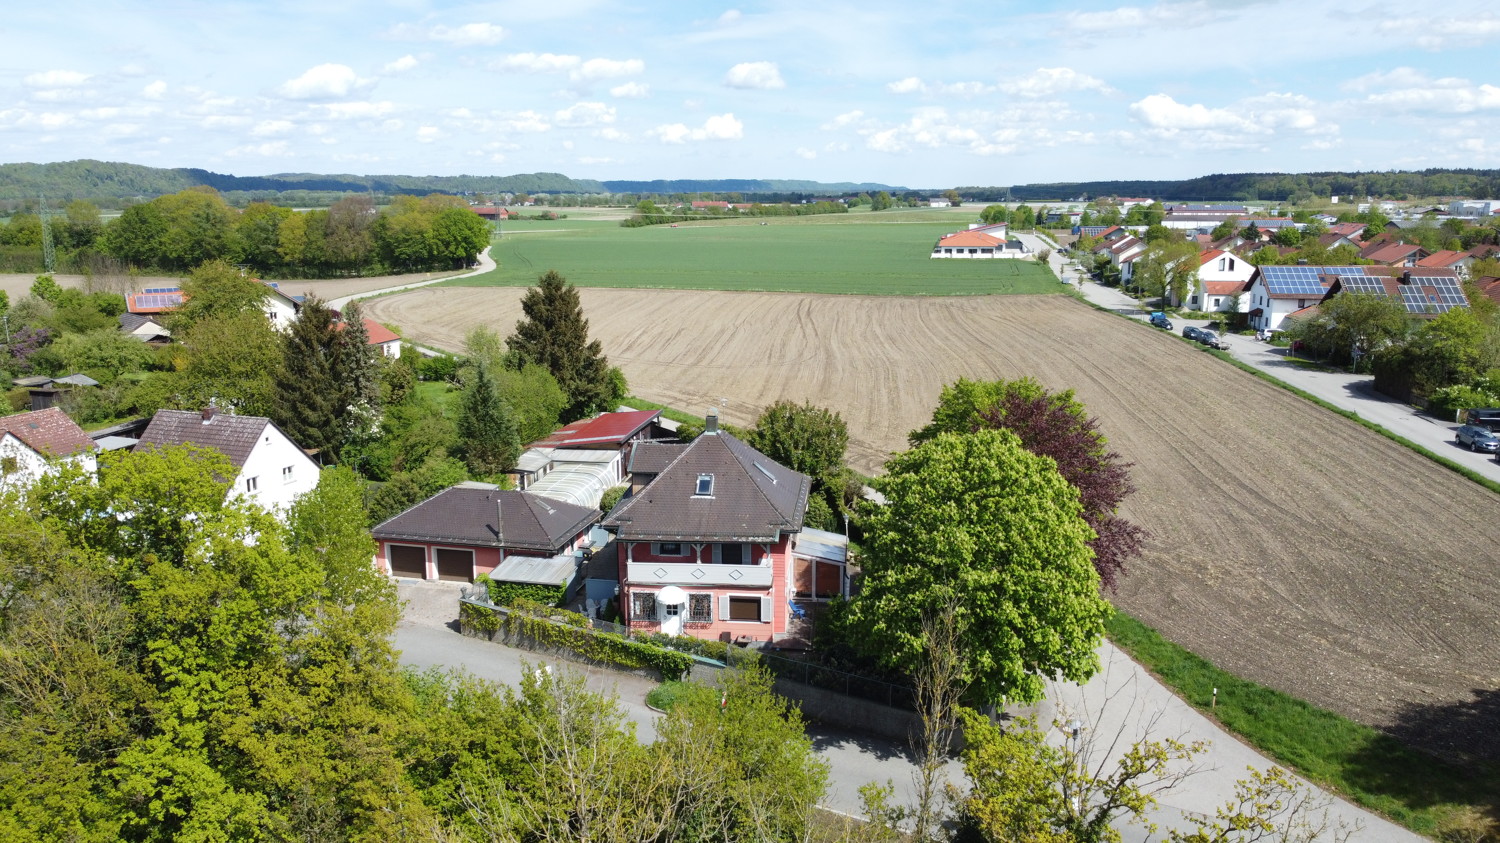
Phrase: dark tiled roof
[487,516]
[652,457]
[754,498]
[232,436]
[49,432]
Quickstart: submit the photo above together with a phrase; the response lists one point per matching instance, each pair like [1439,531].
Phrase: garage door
[456,565]
[408,561]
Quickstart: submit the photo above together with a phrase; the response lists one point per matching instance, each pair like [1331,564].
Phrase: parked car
[1192,333]
[1211,339]
[1477,437]
[1488,417]
[1160,320]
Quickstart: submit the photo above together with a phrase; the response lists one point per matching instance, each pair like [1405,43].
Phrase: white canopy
[671,596]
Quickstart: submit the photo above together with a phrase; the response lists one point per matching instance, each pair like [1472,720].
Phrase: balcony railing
[690,574]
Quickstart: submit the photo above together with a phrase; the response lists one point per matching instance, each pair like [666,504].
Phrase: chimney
[1406,277]
[1302,261]
[711,422]
[209,413]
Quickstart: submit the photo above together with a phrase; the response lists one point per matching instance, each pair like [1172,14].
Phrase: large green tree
[487,434]
[216,289]
[310,401]
[554,334]
[812,440]
[977,522]
[1352,325]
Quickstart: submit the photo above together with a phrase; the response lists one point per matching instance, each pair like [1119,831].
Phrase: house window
[1231,264]
[668,549]
[643,605]
[286,474]
[1221,263]
[744,608]
[1193,300]
[705,485]
[700,608]
[252,483]
[730,554]
[1216,303]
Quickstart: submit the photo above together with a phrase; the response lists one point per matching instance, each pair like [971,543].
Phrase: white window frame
[766,608]
[432,560]
[286,474]
[698,491]
[658,549]
[427,558]
[252,484]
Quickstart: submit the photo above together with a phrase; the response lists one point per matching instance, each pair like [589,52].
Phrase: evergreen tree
[309,397]
[555,335]
[487,429]
[356,368]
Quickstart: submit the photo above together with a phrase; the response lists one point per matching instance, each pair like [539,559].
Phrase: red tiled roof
[49,432]
[971,239]
[606,429]
[1209,255]
[1225,288]
[379,334]
[1446,257]
[1490,286]
[1348,229]
[1390,252]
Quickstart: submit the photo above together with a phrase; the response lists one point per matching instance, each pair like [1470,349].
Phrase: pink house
[711,544]
[479,528]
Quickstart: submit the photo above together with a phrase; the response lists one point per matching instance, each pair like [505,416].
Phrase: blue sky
[930,94]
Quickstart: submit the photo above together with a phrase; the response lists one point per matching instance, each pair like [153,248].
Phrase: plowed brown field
[1290,546]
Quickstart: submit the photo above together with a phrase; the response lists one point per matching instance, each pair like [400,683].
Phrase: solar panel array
[1445,295]
[162,290]
[1297,280]
[1362,284]
[156,300]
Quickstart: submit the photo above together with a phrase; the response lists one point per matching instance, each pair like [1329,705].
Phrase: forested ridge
[1279,187]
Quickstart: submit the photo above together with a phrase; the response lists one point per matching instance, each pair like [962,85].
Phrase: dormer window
[705,486]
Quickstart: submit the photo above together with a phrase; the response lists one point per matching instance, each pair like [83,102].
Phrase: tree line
[1279,187]
[179,231]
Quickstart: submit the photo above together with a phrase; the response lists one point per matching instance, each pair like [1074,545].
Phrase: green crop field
[852,254]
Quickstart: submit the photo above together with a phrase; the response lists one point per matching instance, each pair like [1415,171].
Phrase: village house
[713,544]
[1223,279]
[968,244]
[1276,291]
[38,443]
[578,462]
[271,470]
[479,528]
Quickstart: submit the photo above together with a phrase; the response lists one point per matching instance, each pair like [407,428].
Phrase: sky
[913,94]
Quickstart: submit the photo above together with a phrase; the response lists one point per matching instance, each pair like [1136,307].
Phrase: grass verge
[666,695]
[1368,766]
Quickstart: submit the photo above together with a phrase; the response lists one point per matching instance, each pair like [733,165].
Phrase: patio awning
[540,570]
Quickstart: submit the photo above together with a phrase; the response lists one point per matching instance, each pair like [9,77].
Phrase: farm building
[977,244]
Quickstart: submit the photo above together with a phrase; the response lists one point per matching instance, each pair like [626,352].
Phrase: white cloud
[272,149]
[267,128]
[326,81]
[805,153]
[1411,90]
[1050,81]
[963,90]
[909,85]
[224,121]
[468,35]
[62,95]
[756,75]
[612,134]
[358,110]
[154,91]
[846,119]
[631,90]
[1444,33]
[1160,111]
[56,79]
[401,65]
[607,69]
[121,130]
[525,121]
[1173,15]
[730,17]
[535,62]
[719,127]
[428,134]
[584,114]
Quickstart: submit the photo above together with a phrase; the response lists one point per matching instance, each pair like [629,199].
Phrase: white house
[37,443]
[969,244]
[273,470]
[1221,277]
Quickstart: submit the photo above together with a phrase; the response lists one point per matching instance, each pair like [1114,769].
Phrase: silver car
[1478,438]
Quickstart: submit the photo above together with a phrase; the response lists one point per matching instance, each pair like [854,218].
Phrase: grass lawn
[1370,767]
[838,253]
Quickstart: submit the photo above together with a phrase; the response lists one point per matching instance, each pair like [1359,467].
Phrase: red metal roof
[605,429]
[49,432]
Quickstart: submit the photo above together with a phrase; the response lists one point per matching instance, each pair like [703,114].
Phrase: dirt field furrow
[1289,546]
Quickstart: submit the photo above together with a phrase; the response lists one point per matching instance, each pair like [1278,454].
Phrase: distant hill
[781,186]
[88,179]
[1274,187]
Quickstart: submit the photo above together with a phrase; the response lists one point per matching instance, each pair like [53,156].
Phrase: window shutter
[765,610]
[723,608]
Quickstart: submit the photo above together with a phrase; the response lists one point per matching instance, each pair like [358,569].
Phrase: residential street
[1122,701]
[1354,393]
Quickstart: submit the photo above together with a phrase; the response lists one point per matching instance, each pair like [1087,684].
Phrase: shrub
[1450,401]
[612,497]
[512,593]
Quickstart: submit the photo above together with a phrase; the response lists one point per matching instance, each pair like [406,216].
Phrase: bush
[612,497]
[443,367]
[513,593]
[1450,401]
[665,695]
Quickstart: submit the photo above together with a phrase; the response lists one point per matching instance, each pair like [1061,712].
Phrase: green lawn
[848,254]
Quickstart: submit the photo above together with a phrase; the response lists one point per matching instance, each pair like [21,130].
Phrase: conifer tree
[356,367]
[555,335]
[308,395]
[487,430]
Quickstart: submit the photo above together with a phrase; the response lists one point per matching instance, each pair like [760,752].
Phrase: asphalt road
[1117,707]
